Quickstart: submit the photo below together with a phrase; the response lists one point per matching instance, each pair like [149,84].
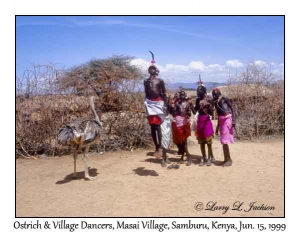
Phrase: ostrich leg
[75,157]
[86,168]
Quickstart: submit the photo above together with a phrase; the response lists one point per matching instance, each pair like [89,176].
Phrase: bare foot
[202,162]
[89,178]
[189,162]
[228,163]
[158,154]
[208,162]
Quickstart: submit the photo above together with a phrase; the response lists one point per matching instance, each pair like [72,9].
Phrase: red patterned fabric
[157,99]
[154,119]
[180,133]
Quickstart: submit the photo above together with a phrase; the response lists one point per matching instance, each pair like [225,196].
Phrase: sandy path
[134,184]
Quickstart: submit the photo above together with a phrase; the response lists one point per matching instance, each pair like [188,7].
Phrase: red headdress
[217,90]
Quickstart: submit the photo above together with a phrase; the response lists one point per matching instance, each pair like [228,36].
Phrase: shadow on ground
[80,175]
[195,160]
[141,171]
[219,163]
[150,154]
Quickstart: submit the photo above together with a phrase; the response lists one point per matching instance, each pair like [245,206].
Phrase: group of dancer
[169,118]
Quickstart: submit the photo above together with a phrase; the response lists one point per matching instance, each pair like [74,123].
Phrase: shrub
[258,99]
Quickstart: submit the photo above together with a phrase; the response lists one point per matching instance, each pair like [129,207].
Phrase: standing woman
[182,109]
[205,132]
[226,123]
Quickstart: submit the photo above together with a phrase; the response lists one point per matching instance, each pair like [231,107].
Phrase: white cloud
[261,64]
[234,64]
[277,68]
[141,63]
[175,68]
[196,65]
[191,67]
[214,68]
[212,72]
[276,72]
[185,73]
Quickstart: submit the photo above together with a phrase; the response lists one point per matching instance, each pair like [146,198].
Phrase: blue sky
[184,46]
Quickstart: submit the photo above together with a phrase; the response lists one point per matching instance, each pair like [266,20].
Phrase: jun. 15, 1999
[272,227]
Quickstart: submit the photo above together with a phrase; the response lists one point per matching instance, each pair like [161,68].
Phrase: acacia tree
[104,74]
[112,77]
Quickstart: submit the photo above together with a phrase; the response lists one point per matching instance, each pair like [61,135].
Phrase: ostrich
[81,133]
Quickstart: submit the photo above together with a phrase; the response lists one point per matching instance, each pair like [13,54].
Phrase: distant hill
[192,86]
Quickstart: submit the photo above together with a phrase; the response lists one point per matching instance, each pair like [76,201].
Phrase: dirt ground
[133,184]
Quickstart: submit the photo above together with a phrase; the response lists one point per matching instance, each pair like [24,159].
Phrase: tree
[107,75]
[111,77]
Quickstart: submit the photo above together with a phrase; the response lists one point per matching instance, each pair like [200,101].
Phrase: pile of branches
[126,130]
[48,98]
[258,99]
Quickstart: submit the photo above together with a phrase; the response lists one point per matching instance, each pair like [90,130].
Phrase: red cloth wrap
[154,119]
[180,134]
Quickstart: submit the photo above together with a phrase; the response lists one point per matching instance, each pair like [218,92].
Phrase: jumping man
[155,105]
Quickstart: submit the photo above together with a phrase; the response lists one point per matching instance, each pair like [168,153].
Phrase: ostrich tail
[65,135]
[94,110]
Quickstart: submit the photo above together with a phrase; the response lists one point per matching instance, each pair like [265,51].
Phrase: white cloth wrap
[181,121]
[155,108]
[166,131]
[194,123]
